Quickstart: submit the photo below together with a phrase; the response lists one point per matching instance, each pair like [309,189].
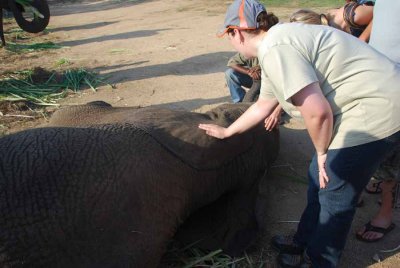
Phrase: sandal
[375,186]
[370,228]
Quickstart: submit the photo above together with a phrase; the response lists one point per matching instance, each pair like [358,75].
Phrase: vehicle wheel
[27,19]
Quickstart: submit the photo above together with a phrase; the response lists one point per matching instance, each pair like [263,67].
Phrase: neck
[336,20]
[257,41]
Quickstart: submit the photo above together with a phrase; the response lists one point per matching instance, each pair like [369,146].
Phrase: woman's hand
[214,130]
[272,121]
[254,115]
[323,177]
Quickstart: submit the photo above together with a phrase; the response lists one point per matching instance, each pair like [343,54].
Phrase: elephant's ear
[81,115]
[179,133]
[91,114]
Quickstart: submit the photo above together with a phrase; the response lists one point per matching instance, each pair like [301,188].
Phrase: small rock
[377,257]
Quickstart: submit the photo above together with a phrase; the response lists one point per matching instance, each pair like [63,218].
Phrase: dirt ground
[165,53]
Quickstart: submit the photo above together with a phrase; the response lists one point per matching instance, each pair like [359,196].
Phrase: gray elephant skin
[110,187]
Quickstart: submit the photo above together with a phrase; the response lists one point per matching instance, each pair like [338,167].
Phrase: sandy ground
[166,53]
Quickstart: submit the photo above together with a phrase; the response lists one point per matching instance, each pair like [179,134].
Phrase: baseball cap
[242,14]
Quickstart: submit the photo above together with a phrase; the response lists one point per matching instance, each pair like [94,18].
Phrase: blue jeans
[235,81]
[327,218]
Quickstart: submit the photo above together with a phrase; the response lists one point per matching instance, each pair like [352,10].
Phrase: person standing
[310,71]
[384,24]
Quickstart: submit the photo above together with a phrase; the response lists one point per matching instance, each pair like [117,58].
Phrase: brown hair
[309,17]
[265,21]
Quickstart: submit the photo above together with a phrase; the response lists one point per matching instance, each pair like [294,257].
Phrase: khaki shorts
[390,167]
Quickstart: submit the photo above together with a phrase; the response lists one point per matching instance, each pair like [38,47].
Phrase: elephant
[103,186]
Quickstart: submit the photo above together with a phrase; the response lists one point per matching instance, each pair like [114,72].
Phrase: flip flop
[370,228]
[376,186]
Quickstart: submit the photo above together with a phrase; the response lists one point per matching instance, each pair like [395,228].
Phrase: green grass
[24,2]
[14,47]
[62,61]
[118,50]
[21,87]
[191,256]
[303,3]
[14,30]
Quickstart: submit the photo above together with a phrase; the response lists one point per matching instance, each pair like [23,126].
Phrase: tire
[36,24]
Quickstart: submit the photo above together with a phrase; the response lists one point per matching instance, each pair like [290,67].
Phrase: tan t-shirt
[361,86]
[239,59]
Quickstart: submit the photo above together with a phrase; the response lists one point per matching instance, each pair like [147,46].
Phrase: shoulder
[295,34]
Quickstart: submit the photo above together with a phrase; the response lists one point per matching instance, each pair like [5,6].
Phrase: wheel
[27,19]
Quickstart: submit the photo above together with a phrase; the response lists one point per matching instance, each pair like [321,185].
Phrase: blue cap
[242,14]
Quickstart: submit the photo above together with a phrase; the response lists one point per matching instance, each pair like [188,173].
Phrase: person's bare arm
[254,115]
[240,69]
[365,35]
[363,15]
[253,72]
[318,118]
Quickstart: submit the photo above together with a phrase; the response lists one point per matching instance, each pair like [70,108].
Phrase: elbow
[321,116]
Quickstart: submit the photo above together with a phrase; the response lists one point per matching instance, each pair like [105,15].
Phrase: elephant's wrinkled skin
[108,187]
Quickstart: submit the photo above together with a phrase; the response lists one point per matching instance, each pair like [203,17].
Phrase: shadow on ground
[119,36]
[88,26]
[61,8]
[196,65]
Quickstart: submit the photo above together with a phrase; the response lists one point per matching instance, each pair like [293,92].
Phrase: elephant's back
[59,186]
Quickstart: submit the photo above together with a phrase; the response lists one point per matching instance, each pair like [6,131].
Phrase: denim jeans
[326,220]
[235,81]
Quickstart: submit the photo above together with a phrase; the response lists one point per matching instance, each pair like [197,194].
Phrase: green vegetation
[49,88]
[303,3]
[63,61]
[14,47]
[24,2]
[118,50]
[76,78]
[194,257]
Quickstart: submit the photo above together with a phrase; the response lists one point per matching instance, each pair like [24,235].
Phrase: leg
[309,218]
[349,170]
[385,212]
[388,172]
[235,81]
